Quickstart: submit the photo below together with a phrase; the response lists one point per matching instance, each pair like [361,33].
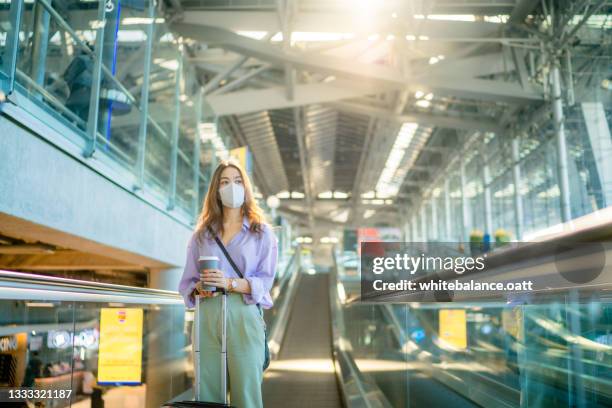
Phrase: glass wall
[518,352]
[63,346]
[111,78]
[589,149]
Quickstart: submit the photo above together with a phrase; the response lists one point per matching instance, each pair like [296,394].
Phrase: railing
[63,74]
[550,348]
[52,338]
[283,294]
[358,389]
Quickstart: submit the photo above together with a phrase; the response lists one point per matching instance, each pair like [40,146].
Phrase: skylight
[388,184]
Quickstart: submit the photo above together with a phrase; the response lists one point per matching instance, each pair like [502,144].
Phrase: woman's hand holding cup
[214,277]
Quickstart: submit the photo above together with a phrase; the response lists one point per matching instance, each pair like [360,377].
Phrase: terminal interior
[480,125]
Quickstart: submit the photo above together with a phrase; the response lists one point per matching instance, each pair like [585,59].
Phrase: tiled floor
[303,376]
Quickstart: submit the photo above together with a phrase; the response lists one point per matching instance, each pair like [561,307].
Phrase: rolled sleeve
[190,273]
[262,279]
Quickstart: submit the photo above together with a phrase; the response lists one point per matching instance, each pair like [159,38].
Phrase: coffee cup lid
[208,258]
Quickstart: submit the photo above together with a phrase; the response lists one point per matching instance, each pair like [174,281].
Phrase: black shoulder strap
[229,258]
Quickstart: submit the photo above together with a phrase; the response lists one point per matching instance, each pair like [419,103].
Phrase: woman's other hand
[199,290]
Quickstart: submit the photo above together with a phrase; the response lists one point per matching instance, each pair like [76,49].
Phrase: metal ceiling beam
[216,80]
[236,83]
[445,121]
[307,21]
[472,67]
[255,100]
[374,74]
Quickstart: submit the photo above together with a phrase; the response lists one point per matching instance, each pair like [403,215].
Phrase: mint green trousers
[245,351]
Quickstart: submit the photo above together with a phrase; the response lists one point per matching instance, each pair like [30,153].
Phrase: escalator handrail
[27,286]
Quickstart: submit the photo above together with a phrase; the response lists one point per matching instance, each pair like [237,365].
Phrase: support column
[144,100]
[448,234]
[516,179]
[465,214]
[434,219]
[11,48]
[94,98]
[423,223]
[176,125]
[415,228]
[109,59]
[196,154]
[39,46]
[486,181]
[563,177]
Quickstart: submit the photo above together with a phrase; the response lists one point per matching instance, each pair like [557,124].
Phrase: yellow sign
[453,328]
[242,155]
[120,351]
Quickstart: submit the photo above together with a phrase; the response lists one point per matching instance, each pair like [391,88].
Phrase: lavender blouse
[254,253]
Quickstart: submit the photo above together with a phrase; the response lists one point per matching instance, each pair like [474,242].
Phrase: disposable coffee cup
[207,262]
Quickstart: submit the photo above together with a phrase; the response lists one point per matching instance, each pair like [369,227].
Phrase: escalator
[303,373]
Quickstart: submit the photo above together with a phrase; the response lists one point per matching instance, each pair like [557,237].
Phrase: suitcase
[196,358]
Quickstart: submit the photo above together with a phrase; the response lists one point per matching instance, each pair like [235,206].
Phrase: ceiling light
[369,194]
[423,103]
[411,37]
[429,97]
[328,240]
[433,60]
[368,213]
[283,195]
[390,179]
[256,35]
[39,304]
[394,15]
[452,17]
[419,94]
[340,194]
[325,195]
[172,65]
[297,194]
[390,37]
[373,37]
[141,20]
[423,37]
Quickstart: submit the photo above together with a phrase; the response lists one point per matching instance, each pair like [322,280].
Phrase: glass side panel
[52,345]
[513,354]
[5,28]
[55,63]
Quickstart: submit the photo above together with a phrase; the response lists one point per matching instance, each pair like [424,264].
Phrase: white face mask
[232,195]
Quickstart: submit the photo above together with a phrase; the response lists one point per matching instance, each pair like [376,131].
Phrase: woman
[231,213]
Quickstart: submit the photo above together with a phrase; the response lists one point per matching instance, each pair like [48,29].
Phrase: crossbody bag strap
[229,258]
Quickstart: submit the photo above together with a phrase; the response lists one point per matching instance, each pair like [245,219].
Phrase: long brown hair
[211,217]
